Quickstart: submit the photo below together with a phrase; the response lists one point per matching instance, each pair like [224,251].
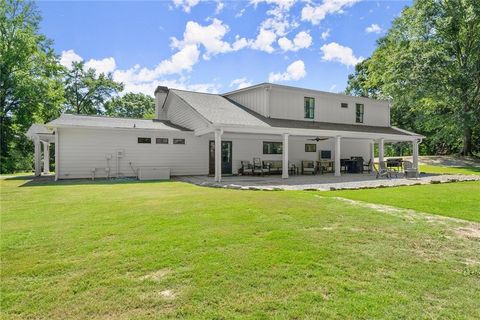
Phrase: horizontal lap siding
[247,147]
[80,150]
[179,113]
[289,104]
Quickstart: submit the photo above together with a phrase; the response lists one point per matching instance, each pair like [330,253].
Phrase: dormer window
[309,105]
[359,108]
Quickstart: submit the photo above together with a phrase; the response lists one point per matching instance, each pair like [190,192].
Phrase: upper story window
[344,105]
[272,147]
[359,109]
[309,104]
[144,140]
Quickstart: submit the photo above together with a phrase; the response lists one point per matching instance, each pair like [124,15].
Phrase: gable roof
[218,110]
[73,120]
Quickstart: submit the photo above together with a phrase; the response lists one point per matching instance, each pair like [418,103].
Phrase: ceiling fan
[318,139]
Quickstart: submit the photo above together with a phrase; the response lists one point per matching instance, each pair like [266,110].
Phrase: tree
[131,105]
[85,91]
[429,65]
[30,86]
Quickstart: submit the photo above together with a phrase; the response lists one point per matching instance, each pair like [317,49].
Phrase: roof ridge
[101,116]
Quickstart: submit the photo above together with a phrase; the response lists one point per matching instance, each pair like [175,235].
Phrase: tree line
[36,88]
[428,65]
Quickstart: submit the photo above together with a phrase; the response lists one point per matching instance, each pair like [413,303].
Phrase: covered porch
[290,137]
[42,137]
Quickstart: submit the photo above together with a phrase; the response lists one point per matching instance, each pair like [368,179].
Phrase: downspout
[57,154]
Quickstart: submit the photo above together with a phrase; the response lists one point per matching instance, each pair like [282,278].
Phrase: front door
[226,157]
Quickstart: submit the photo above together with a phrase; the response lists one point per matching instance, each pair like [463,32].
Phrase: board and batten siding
[81,150]
[286,103]
[180,113]
[255,99]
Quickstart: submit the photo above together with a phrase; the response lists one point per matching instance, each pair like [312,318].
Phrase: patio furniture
[258,167]
[246,168]
[384,171]
[308,166]
[324,166]
[343,165]
[293,169]
[395,163]
[409,170]
[367,166]
[273,166]
[354,165]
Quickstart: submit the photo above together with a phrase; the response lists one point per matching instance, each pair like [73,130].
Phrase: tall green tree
[86,91]
[131,105]
[429,65]
[30,86]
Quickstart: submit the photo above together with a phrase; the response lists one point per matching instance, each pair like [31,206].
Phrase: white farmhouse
[220,134]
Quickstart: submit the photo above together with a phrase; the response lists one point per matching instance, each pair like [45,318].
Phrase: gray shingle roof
[217,109]
[73,120]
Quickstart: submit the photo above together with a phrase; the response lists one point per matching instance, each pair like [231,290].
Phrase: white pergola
[41,135]
[285,133]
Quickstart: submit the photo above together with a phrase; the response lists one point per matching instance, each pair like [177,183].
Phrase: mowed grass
[449,170]
[458,200]
[173,250]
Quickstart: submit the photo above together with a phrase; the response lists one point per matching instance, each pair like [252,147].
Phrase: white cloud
[186,5]
[332,87]
[240,13]
[106,65]
[374,28]
[335,52]
[315,14]
[325,34]
[210,37]
[241,83]
[295,71]
[219,7]
[264,41]
[68,57]
[301,41]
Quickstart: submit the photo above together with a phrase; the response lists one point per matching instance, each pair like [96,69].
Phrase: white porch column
[372,154]
[415,154]
[381,148]
[337,156]
[37,157]
[285,156]
[46,157]
[218,155]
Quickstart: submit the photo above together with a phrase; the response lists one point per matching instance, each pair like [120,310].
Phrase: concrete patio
[324,182]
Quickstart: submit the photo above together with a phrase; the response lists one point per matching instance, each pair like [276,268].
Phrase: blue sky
[219,46]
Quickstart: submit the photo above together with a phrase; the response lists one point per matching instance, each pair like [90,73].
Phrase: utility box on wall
[154,173]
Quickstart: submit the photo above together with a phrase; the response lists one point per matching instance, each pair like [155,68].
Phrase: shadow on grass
[31,181]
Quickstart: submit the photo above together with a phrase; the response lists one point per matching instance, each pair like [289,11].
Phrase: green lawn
[449,170]
[458,200]
[174,250]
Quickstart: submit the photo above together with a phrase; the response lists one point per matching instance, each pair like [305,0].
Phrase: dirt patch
[168,294]
[472,232]
[156,275]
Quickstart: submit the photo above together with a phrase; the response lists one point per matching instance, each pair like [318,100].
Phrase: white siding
[180,113]
[246,147]
[255,99]
[80,150]
[287,103]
